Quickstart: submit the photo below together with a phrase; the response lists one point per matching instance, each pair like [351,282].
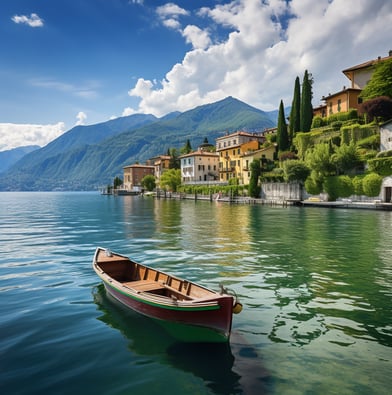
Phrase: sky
[79,62]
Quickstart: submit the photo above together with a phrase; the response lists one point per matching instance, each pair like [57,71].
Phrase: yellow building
[250,156]
[231,148]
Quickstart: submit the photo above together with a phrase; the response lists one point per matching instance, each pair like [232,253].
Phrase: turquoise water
[316,285]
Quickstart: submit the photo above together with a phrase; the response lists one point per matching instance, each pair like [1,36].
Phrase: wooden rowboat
[198,313]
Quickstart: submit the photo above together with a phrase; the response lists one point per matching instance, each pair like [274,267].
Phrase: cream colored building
[199,166]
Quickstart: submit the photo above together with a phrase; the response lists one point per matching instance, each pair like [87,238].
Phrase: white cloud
[33,20]
[171,10]
[268,45]
[88,90]
[16,135]
[80,118]
[197,37]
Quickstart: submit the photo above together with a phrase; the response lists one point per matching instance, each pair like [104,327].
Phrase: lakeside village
[342,158]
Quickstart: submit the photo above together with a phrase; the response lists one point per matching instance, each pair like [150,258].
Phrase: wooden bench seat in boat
[144,285]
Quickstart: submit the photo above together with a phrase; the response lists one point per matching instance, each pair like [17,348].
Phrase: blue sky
[68,62]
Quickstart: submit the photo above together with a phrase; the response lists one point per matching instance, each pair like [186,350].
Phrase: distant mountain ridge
[86,157]
[9,157]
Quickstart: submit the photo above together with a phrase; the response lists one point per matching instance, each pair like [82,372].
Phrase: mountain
[273,115]
[81,135]
[10,157]
[76,163]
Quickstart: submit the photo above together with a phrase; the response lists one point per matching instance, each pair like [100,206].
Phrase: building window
[339,105]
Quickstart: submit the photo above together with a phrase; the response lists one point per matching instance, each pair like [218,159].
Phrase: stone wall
[281,191]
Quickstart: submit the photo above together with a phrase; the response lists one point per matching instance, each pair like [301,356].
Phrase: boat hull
[204,319]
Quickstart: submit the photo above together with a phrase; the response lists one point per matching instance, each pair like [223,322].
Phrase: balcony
[226,169]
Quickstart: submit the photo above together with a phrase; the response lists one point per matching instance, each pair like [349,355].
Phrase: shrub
[331,187]
[377,108]
[276,175]
[370,142]
[286,155]
[384,154]
[382,166]
[295,170]
[313,186]
[302,142]
[317,122]
[357,185]
[346,187]
[338,186]
[372,184]
[336,125]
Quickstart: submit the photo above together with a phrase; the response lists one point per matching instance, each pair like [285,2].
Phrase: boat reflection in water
[226,368]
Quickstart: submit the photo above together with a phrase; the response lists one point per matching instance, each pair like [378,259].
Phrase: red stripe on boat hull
[218,319]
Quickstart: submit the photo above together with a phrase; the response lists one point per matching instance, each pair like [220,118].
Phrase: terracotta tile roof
[367,64]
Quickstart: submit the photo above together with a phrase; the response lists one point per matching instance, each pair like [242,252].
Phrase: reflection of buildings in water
[221,226]
[384,250]
[214,363]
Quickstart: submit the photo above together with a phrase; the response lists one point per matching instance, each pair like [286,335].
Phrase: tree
[380,83]
[379,107]
[117,182]
[174,162]
[346,158]
[282,134]
[295,170]
[187,148]
[295,113]
[148,182]
[171,179]
[319,160]
[255,171]
[306,103]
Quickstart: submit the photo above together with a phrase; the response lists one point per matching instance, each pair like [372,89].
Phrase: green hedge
[381,166]
[356,132]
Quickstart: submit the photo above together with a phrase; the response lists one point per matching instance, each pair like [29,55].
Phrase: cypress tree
[282,135]
[306,104]
[295,114]
[255,171]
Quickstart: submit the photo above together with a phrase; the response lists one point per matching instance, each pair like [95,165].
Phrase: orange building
[348,98]
[133,176]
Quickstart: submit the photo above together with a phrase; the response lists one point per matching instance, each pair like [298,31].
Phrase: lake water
[316,286]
